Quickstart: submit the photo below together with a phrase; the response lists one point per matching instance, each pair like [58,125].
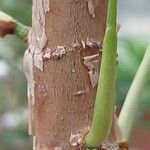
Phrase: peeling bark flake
[28,70]
[79,93]
[93,78]
[47,5]
[46,55]
[38,60]
[43,40]
[110,145]
[91,8]
[75,139]
[92,44]
[83,44]
[76,44]
[38,35]
[58,52]
[92,63]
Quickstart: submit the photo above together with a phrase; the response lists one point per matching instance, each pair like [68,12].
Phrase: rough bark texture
[60,92]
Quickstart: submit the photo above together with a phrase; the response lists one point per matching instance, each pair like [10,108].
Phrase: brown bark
[60,91]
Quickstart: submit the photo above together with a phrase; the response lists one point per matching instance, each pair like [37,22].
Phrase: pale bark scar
[91,7]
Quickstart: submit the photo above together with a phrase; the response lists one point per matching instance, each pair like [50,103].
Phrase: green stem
[104,104]
[9,25]
[21,31]
[130,106]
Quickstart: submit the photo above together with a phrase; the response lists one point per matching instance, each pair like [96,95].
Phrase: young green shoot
[131,104]
[9,25]
[104,103]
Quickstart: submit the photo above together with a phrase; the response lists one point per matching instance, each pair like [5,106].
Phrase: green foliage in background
[131,52]
[13,100]
[18,9]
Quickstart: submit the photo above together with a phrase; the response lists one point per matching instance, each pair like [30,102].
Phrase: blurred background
[134,17]
[134,36]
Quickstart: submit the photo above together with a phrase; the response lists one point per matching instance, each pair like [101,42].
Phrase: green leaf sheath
[131,104]
[21,31]
[104,104]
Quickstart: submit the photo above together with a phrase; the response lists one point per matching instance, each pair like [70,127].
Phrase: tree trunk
[61,65]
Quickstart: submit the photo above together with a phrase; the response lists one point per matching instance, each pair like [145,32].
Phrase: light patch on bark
[91,7]
[47,5]
[43,40]
[58,52]
[76,44]
[83,44]
[39,38]
[79,92]
[92,63]
[28,70]
[33,56]
[88,43]
[46,54]
[57,148]
[38,60]
[92,44]
[76,139]
[110,145]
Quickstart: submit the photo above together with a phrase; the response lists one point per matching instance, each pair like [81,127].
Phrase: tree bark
[61,66]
